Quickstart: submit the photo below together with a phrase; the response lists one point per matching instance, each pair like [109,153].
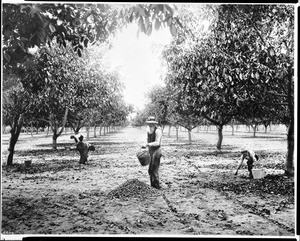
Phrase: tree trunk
[56,131]
[54,141]
[31,129]
[190,136]
[100,130]
[88,132]
[15,133]
[12,142]
[4,129]
[266,128]
[76,131]
[176,133]
[169,132]
[290,151]
[289,162]
[220,136]
[95,129]
[254,127]
[232,129]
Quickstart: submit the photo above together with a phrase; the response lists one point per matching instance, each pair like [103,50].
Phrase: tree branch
[282,87]
[211,120]
[283,103]
[255,28]
[42,119]
[64,121]
[277,94]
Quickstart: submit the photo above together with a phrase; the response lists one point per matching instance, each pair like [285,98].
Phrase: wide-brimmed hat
[245,148]
[151,120]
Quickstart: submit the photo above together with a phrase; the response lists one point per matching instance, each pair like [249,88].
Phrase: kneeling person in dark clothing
[154,136]
[83,148]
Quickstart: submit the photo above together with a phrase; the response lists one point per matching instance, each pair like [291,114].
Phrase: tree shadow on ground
[54,165]
[42,152]
[269,137]
[275,184]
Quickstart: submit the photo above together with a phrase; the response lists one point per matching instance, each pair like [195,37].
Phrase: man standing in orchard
[154,136]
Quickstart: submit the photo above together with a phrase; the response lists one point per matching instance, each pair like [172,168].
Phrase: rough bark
[190,136]
[266,128]
[95,129]
[54,141]
[15,133]
[289,162]
[57,133]
[254,127]
[220,136]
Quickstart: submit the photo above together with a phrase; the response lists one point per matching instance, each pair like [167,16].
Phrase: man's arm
[158,137]
[74,137]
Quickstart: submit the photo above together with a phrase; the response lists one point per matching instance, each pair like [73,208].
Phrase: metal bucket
[143,157]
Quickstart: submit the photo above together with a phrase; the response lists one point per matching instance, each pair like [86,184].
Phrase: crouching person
[251,157]
[83,148]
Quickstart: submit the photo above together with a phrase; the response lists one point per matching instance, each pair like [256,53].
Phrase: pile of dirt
[132,188]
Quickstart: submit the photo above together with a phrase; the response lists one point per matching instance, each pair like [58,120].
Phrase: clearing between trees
[112,193]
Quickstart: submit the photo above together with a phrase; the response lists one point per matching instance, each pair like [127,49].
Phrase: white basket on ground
[258,173]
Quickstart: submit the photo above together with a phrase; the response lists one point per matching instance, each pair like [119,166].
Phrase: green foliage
[234,65]
[152,16]
[241,68]
[158,97]
[15,102]
[28,25]
[140,118]
[34,25]
[261,39]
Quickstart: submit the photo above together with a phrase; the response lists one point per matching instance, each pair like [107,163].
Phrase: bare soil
[111,194]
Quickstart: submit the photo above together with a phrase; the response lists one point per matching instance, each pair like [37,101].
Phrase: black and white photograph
[148,119]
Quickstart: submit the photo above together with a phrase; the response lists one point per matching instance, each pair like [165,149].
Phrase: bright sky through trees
[137,59]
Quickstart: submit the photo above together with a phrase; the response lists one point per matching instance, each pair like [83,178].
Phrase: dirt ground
[199,195]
